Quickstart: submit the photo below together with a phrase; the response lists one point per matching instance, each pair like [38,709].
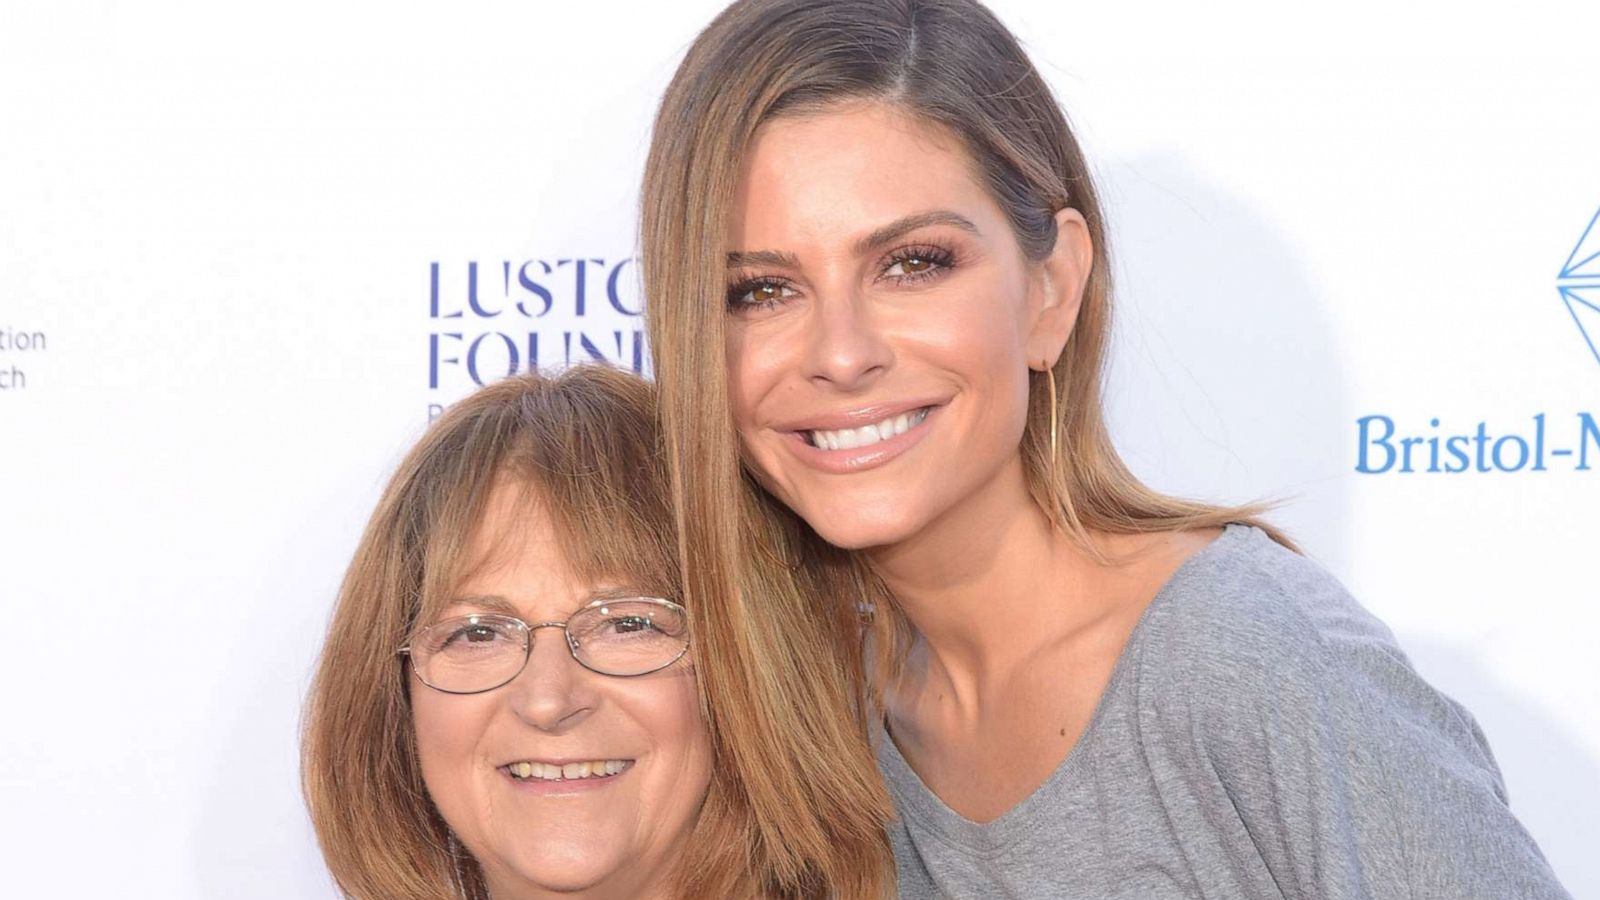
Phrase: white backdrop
[219,226]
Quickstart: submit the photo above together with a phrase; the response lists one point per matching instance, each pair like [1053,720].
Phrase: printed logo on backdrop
[1579,284]
[493,319]
[17,347]
[1542,443]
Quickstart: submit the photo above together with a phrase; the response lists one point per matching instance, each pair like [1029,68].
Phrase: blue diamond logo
[1584,260]
[1583,301]
[1579,284]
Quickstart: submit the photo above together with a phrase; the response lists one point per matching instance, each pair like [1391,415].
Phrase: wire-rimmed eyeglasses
[623,636]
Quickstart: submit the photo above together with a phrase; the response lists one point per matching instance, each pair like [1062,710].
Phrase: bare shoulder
[1141,564]
[1156,547]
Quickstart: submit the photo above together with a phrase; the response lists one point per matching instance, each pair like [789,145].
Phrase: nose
[846,348]
[552,692]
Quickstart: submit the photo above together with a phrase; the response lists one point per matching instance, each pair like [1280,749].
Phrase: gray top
[1261,736]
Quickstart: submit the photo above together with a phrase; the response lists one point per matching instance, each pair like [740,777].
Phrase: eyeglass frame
[529,628]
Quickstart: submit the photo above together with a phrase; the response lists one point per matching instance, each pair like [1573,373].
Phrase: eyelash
[941,258]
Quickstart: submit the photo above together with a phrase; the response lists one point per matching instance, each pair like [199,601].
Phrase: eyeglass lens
[470,654]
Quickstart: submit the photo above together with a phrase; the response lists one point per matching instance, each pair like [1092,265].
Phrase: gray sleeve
[1352,775]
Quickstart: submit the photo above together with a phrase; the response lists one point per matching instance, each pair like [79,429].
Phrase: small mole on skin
[1063,732]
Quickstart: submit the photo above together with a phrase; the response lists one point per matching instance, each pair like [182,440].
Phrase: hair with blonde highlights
[954,65]
[585,447]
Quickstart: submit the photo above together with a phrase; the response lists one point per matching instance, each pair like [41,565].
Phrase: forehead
[519,554]
[515,551]
[852,166]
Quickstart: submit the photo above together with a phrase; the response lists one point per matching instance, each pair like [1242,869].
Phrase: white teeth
[867,435]
[571,771]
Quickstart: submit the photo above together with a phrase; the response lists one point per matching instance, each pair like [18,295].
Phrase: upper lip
[561,760]
[856,417]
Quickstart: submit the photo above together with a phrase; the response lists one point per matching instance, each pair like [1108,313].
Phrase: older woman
[871,244]
[506,704]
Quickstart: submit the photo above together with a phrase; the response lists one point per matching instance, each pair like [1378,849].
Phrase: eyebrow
[901,227]
[758,258]
[494,603]
[879,237]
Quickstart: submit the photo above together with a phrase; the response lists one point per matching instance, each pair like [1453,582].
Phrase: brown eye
[758,294]
[917,264]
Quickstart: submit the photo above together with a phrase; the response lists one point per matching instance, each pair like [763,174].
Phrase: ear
[1058,288]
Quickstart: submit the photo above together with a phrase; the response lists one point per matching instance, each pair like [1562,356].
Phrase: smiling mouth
[573,771]
[866,435]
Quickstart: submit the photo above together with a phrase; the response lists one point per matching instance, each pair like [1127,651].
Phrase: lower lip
[857,459]
[567,787]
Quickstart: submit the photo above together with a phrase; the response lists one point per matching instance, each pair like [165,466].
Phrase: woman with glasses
[878,299]
[506,703]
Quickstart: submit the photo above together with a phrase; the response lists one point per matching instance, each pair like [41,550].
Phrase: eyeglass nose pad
[532,640]
[551,693]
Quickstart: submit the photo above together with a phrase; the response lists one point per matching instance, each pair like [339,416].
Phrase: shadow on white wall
[253,838]
[1553,781]
[1226,383]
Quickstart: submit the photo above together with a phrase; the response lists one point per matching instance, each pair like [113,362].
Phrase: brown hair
[953,64]
[585,446]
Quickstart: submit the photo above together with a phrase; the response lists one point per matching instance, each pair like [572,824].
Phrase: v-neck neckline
[916,800]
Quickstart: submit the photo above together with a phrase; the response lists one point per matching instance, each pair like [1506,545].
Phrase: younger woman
[871,244]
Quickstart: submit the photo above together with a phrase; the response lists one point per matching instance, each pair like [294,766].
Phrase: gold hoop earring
[1058,509]
[1055,413]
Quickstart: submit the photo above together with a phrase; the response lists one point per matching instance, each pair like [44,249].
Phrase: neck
[985,585]
[621,886]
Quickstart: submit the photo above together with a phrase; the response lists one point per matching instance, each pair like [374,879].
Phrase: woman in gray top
[1086,689]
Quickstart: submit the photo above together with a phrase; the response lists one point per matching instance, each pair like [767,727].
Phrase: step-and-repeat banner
[247,251]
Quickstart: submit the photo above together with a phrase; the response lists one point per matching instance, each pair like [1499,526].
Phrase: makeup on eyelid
[938,261]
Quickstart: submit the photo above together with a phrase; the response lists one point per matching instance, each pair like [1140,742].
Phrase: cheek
[986,327]
[751,373]
[447,736]
[984,353]
[670,712]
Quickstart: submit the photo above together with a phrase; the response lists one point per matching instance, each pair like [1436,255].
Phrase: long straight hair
[786,635]
[584,446]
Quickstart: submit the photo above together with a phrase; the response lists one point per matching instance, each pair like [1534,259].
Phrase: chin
[561,871]
[855,530]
